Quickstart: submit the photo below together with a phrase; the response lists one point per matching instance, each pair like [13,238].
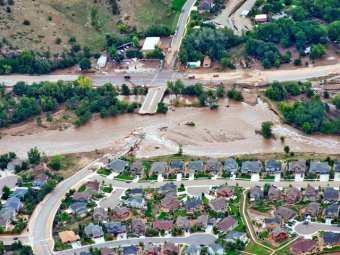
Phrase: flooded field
[230,130]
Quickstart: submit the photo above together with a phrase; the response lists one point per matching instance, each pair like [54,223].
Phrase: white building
[101,62]
[150,44]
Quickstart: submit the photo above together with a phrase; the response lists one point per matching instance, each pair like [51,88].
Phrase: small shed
[150,44]
[261,18]
[101,62]
[194,65]
[206,62]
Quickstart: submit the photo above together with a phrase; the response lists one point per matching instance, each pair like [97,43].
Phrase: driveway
[313,227]
[9,181]
[113,200]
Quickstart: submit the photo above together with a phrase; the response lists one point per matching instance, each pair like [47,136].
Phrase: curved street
[313,227]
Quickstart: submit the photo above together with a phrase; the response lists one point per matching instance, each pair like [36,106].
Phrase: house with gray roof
[251,167]
[272,167]
[93,231]
[213,166]
[183,223]
[193,204]
[136,202]
[233,236]
[130,250]
[118,165]
[159,168]
[99,214]
[337,170]
[230,166]
[168,189]
[13,202]
[284,213]
[137,168]
[78,208]
[7,215]
[311,194]
[256,194]
[15,162]
[195,166]
[331,211]
[331,239]
[193,250]
[298,167]
[137,192]
[330,195]
[176,166]
[274,194]
[215,249]
[312,210]
[19,193]
[319,168]
[115,228]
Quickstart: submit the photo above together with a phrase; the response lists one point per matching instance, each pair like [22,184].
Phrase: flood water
[224,132]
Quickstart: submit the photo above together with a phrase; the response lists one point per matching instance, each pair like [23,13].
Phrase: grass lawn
[63,217]
[178,4]
[125,176]
[233,209]
[179,213]
[148,212]
[107,189]
[256,249]
[27,184]
[205,200]
[104,172]
[336,248]
[162,216]
[232,253]
[240,224]
[82,188]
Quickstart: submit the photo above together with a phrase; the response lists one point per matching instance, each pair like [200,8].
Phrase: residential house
[233,236]
[168,189]
[227,224]
[206,61]
[202,221]
[219,204]
[225,191]
[193,205]
[330,195]
[130,250]
[151,250]
[319,168]
[159,168]
[15,162]
[138,226]
[19,193]
[137,168]
[261,18]
[274,194]
[284,213]
[135,192]
[293,195]
[118,165]
[136,202]
[99,214]
[13,202]
[115,228]
[298,167]
[302,246]
[331,211]
[82,196]
[251,167]
[107,251]
[176,166]
[278,234]
[40,168]
[256,194]
[230,166]
[169,248]
[40,180]
[311,194]
[93,231]
[79,208]
[213,166]
[312,210]
[68,236]
[272,223]
[163,225]
[93,185]
[272,167]
[331,239]
[183,223]
[193,250]
[170,203]
[205,6]
[215,249]
[195,166]
[337,171]
[7,216]
[122,213]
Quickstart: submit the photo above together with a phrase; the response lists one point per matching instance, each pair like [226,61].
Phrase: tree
[317,51]
[55,163]
[220,92]
[162,108]
[5,192]
[125,90]
[286,149]
[334,30]
[266,129]
[34,156]
[176,87]
[336,101]
[135,41]
[85,64]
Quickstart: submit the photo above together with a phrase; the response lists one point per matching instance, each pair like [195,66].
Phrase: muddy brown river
[226,131]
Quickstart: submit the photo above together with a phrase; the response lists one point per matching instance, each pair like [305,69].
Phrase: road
[9,181]
[197,239]
[154,96]
[313,227]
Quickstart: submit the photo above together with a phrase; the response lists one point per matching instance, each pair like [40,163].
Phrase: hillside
[37,24]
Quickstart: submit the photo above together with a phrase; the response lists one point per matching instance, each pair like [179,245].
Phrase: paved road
[313,227]
[113,200]
[154,96]
[197,239]
[11,80]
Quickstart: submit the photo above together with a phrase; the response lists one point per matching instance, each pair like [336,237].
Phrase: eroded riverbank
[230,130]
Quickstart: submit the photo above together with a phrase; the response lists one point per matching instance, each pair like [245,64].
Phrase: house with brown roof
[312,210]
[122,213]
[213,166]
[227,224]
[150,249]
[82,196]
[99,214]
[40,180]
[137,168]
[183,223]
[302,246]
[293,195]
[202,221]
[95,185]
[256,194]
[41,168]
[170,248]
[311,194]
[68,236]
[138,226]
[170,203]
[107,251]
[206,61]
[163,225]
[278,234]
[219,204]
[225,191]
[274,194]
[284,213]
[299,168]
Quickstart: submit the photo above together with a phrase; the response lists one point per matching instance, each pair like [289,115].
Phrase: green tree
[34,156]
[220,92]
[336,101]
[334,30]
[317,51]
[286,149]
[162,108]
[56,162]
[85,64]
[5,192]
[266,129]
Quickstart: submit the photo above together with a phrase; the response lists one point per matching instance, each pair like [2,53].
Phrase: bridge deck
[154,96]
